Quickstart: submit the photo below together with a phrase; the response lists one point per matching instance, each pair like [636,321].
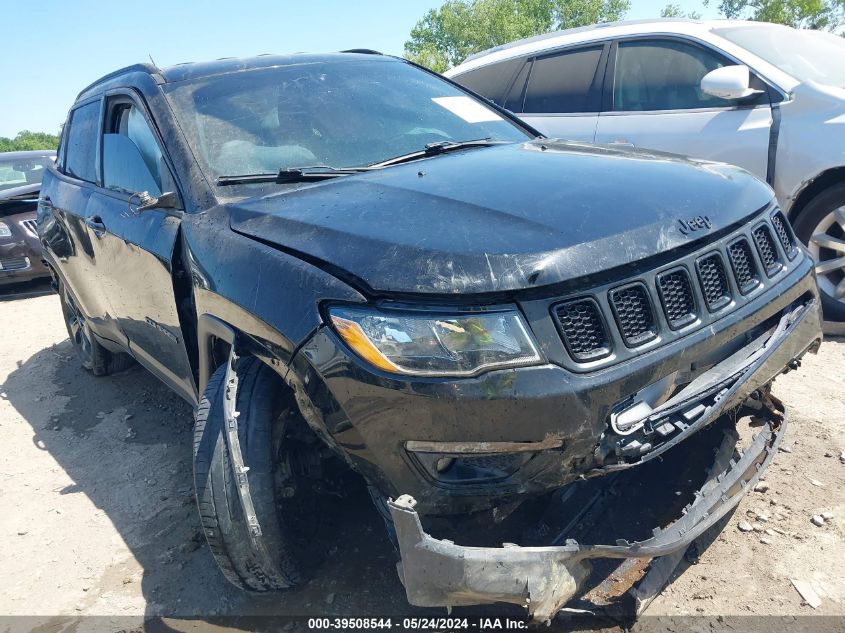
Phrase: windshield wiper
[291,174]
[433,149]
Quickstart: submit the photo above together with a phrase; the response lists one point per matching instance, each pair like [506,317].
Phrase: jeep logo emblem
[694,224]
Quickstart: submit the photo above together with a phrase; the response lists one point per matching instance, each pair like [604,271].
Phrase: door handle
[95,223]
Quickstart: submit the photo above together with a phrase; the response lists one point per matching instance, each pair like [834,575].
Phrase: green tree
[27,140]
[801,14]
[445,37]
[675,11]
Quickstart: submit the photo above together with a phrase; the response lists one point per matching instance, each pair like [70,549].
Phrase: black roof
[194,70]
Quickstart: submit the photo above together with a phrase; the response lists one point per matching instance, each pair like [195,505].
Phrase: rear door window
[564,83]
[81,150]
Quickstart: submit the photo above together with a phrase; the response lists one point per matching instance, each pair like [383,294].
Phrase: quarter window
[563,83]
[81,150]
[132,159]
[655,75]
[491,81]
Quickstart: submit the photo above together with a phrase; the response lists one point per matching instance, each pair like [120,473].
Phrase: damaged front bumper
[543,579]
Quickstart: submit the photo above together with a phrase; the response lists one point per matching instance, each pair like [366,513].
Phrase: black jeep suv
[348,253]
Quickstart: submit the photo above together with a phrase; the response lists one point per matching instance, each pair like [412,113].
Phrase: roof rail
[144,68]
[577,29]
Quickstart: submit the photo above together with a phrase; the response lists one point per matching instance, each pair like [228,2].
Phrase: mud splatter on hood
[502,218]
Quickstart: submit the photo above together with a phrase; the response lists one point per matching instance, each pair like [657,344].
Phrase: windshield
[340,113]
[19,172]
[806,55]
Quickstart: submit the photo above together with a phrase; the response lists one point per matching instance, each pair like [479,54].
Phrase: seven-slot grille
[742,262]
[767,249]
[784,235]
[714,281]
[676,296]
[583,330]
[632,308]
[589,336]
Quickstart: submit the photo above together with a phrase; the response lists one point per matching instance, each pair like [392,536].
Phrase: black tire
[806,225]
[272,565]
[92,356]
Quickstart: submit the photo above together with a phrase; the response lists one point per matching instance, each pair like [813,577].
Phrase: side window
[516,94]
[663,75]
[491,81]
[132,159]
[563,82]
[81,150]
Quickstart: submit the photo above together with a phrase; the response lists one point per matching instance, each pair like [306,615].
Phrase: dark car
[347,256]
[20,182]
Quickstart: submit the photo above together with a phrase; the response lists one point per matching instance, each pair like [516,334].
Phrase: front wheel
[267,563]
[821,226]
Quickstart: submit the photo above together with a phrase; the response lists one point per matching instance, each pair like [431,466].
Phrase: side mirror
[729,82]
[168,200]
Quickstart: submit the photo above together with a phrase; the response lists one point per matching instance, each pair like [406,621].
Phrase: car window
[663,75]
[337,113]
[562,83]
[81,150]
[132,159]
[22,171]
[491,81]
[516,94]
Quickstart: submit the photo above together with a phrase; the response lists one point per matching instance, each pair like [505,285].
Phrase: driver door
[654,101]
[135,249]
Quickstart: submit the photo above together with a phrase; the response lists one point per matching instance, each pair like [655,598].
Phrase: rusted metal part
[230,397]
[543,579]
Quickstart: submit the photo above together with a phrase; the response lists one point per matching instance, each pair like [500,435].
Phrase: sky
[51,49]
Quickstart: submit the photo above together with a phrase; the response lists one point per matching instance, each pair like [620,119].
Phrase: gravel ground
[97,514]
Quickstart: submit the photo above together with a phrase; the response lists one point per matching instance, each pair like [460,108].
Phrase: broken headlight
[434,343]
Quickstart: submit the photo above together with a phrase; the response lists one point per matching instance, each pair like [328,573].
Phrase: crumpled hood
[502,218]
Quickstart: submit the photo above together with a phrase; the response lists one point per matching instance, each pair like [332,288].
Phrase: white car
[766,97]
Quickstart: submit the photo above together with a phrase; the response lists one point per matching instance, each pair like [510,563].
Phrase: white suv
[766,97]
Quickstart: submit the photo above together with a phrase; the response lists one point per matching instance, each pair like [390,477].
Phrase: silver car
[766,97]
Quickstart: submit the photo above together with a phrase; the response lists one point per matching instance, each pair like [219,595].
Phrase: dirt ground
[97,514]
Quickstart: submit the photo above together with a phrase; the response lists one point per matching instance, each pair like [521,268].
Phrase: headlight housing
[4,230]
[436,343]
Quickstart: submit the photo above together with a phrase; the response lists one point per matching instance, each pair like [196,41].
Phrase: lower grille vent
[677,298]
[14,263]
[583,329]
[634,315]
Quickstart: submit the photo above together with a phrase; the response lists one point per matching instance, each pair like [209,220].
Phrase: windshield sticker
[469,110]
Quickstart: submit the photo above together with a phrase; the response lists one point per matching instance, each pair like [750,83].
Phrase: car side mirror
[729,82]
[168,200]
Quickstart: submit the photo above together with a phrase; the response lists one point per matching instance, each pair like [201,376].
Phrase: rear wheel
[92,355]
[268,564]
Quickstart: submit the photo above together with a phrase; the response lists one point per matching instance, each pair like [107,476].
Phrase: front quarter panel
[267,294]
[812,139]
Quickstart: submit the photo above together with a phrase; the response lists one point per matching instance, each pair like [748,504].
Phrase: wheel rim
[77,326]
[827,245]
